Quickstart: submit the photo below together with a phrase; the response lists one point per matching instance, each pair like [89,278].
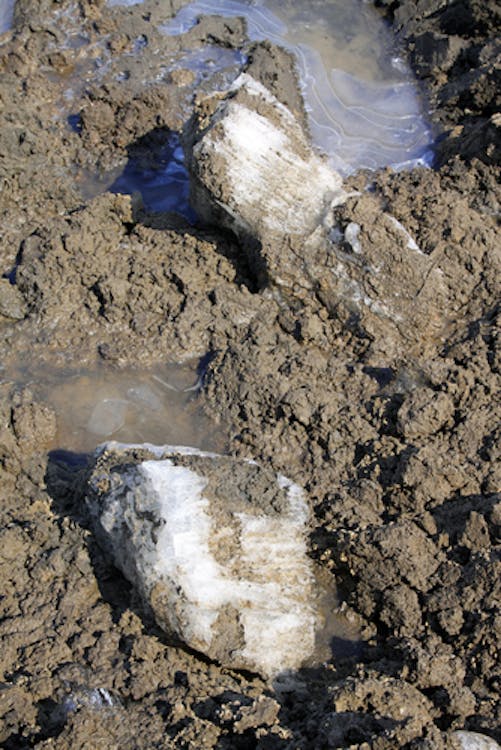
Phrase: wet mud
[389,420]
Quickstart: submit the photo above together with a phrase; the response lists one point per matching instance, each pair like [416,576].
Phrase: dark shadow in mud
[382,375]
[308,693]
[155,169]
[51,718]
[66,478]
[484,326]
[390,468]
[156,177]
[65,471]
[464,519]
[12,274]
[18,741]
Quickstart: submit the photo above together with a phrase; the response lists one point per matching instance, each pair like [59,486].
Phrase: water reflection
[6,15]
[156,170]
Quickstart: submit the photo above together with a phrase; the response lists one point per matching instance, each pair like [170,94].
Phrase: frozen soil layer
[392,429]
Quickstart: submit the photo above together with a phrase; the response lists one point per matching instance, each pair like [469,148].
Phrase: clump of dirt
[391,426]
[123,285]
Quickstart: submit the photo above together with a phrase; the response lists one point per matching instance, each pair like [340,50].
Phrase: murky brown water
[338,636]
[157,406]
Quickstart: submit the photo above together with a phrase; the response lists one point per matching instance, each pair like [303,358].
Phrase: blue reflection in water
[6,15]
[162,179]
[75,123]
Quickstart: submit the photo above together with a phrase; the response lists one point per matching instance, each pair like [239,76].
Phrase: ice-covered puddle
[363,104]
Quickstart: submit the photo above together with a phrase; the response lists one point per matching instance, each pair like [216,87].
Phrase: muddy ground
[393,429]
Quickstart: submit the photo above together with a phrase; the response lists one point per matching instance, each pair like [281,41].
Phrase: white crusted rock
[252,160]
[475,741]
[217,548]
[253,171]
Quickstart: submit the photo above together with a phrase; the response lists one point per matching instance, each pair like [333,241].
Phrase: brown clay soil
[394,430]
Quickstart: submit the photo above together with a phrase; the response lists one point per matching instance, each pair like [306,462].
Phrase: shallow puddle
[158,406]
[337,638]
[154,170]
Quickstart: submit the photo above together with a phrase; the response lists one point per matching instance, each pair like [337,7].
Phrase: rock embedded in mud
[254,172]
[253,169]
[475,741]
[216,547]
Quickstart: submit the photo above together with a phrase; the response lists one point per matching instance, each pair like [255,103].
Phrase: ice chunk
[143,395]
[254,166]
[351,235]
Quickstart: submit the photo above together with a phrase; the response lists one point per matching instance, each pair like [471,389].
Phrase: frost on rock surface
[269,179]
[216,547]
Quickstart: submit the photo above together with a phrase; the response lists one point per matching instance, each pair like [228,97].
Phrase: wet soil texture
[391,424]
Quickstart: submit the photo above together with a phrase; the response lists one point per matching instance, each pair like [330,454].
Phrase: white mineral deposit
[255,164]
[475,741]
[217,548]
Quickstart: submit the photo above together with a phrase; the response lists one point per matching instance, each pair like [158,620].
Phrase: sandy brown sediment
[392,430]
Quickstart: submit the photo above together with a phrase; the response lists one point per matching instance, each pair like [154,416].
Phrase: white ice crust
[279,628]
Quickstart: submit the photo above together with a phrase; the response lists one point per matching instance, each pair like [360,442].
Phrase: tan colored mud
[393,432]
